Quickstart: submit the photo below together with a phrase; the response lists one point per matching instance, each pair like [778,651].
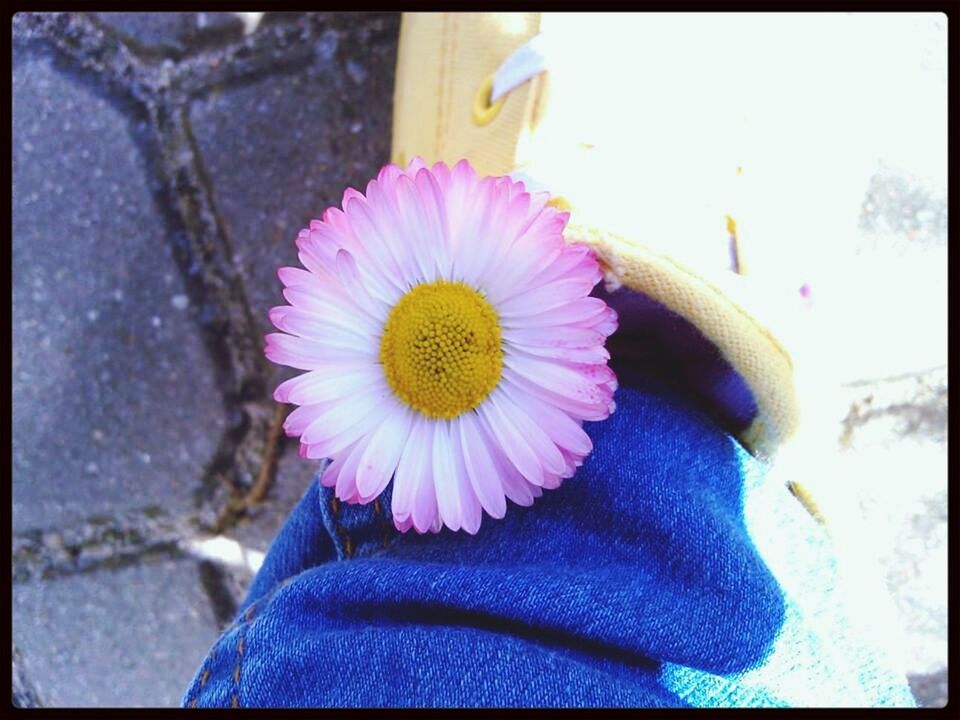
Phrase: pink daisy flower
[450,344]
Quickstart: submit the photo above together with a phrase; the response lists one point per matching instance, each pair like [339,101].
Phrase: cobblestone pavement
[161,165]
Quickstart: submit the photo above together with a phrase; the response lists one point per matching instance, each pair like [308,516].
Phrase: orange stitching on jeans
[204,676]
[347,542]
[241,648]
[385,535]
[235,696]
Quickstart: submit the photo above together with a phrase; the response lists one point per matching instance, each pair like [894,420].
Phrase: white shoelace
[524,63]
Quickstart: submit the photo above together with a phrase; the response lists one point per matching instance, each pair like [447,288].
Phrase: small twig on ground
[236,507]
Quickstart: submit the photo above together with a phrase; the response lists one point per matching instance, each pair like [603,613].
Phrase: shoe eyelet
[483,110]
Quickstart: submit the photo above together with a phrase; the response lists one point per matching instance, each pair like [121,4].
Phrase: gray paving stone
[293,475]
[899,208]
[235,557]
[115,404]
[133,637]
[172,31]
[24,694]
[282,149]
[930,690]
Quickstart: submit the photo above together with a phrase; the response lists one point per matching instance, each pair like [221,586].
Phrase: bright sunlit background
[825,137]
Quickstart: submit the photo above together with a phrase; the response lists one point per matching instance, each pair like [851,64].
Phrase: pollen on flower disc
[441,349]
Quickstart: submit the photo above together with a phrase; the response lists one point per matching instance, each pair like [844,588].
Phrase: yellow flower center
[441,349]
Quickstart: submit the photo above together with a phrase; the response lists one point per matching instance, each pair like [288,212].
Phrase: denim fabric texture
[666,572]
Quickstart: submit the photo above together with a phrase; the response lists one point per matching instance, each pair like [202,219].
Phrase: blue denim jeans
[666,572]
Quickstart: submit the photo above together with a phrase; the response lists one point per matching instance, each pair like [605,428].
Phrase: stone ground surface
[162,164]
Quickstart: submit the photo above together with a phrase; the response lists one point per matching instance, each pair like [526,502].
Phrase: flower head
[450,344]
